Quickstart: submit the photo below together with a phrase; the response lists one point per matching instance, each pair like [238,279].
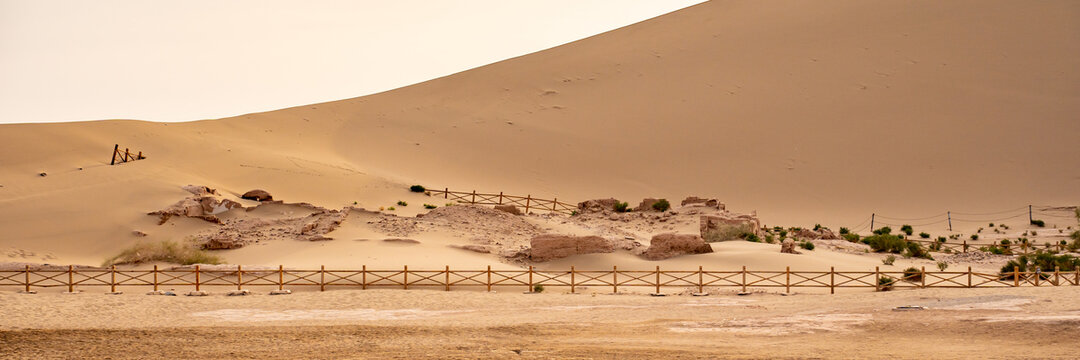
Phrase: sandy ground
[957,324]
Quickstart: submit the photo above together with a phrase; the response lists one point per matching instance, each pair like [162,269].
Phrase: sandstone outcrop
[549,246]
[712,225]
[694,200]
[665,246]
[597,205]
[788,246]
[646,204]
[257,195]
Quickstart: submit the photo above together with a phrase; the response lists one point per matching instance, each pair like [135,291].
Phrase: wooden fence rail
[1014,249]
[526,279]
[528,202]
[124,156]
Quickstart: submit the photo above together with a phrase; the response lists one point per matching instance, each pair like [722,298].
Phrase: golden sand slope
[808,112]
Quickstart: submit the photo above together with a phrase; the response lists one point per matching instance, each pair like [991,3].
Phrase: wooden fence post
[832,279]
[615,279]
[657,279]
[1057,276]
[1038,274]
[500,197]
[197,285]
[877,278]
[553,203]
[363,277]
[969,276]
[239,277]
[528,199]
[744,279]
[474,196]
[406,278]
[116,149]
[447,277]
[27,279]
[112,282]
[965,246]
[71,280]
[530,278]
[127,154]
[322,277]
[155,278]
[700,279]
[446,193]
[1016,276]
[571,279]
[281,277]
[922,276]
[489,278]
[1077,278]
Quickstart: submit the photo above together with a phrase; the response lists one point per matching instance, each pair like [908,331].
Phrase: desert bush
[417,188]
[728,232]
[913,249]
[783,234]
[770,239]
[1038,223]
[1006,242]
[538,288]
[924,235]
[889,260]
[885,243]
[974,237]
[1042,261]
[817,227]
[907,229]
[844,230]
[391,208]
[851,237]
[429,206]
[807,245]
[752,238]
[885,283]
[885,230]
[1034,233]
[164,251]
[621,206]
[941,239]
[991,224]
[941,265]
[661,205]
[402,203]
[936,246]
[912,274]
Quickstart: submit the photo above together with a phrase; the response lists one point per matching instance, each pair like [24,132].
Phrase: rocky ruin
[665,246]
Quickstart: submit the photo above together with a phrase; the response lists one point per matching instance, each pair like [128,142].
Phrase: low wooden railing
[528,202]
[446,279]
[124,156]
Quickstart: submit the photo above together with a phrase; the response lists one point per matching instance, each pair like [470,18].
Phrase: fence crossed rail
[528,202]
[527,279]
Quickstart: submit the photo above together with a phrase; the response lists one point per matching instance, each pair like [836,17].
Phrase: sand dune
[811,112]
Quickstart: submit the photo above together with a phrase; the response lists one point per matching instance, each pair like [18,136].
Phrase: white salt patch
[776,326]
[292,315]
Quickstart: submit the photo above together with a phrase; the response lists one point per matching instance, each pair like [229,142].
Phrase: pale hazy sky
[195,59]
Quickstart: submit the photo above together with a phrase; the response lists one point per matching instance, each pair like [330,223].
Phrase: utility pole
[949,213]
[872,221]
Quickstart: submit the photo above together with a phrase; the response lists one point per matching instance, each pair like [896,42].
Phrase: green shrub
[844,231]
[417,188]
[851,237]
[907,229]
[1006,242]
[538,288]
[913,249]
[974,237]
[391,208]
[993,249]
[912,274]
[728,232]
[991,224]
[885,243]
[941,265]
[889,260]
[783,234]
[817,227]
[924,235]
[941,239]
[621,206]
[164,251]
[1038,223]
[1042,261]
[807,245]
[429,206]
[752,238]
[402,203]
[883,231]
[770,239]
[885,283]
[661,205]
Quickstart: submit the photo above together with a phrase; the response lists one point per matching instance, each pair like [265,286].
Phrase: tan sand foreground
[1037,323]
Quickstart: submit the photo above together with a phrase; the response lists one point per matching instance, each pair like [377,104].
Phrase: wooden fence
[525,279]
[1012,249]
[124,156]
[528,202]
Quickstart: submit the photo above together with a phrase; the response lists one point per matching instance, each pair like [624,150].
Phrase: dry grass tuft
[164,251]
